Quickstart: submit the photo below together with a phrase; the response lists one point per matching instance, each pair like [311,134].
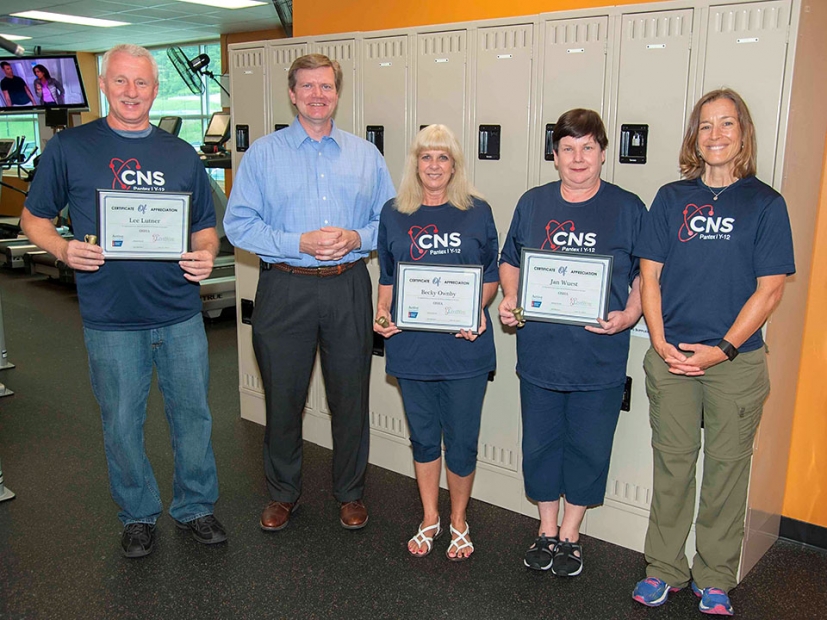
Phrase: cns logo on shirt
[702,223]
[564,237]
[129,174]
[427,240]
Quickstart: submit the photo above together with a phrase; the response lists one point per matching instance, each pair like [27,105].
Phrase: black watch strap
[729,350]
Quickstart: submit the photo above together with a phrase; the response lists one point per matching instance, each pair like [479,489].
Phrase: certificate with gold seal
[141,225]
[438,298]
[564,287]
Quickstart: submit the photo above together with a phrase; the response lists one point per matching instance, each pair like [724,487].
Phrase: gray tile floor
[59,539]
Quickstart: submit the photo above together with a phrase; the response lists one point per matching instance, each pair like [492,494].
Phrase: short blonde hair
[744,164]
[460,189]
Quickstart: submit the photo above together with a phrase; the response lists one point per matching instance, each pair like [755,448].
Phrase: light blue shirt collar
[296,134]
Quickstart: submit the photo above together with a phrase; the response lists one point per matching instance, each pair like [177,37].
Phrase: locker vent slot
[388,424]
[743,19]
[252,382]
[495,455]
[247,59]
[441,43]
[509,38]
[385,48]
[284,56]
[674,24]
[576,32]
[629,493]
[337,50]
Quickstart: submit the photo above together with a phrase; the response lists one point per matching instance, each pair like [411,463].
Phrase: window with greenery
[15,125]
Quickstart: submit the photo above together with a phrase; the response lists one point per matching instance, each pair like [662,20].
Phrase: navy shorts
[446,410]
[567,442]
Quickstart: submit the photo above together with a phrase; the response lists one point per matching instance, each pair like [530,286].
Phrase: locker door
[385,99]
[440,81]
[501,116]
[503,72]
[281,57]
[574,76]
[345,53]
[652,90]
[248,89]
[746,50]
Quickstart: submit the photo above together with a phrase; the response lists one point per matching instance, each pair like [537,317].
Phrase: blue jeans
[120,366]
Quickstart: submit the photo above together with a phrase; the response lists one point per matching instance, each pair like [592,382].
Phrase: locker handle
[489,142]
[375,134]
[242,138]
[549,150]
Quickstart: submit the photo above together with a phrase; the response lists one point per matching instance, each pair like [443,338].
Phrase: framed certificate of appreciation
[143,225]
[564,287]
[438,298]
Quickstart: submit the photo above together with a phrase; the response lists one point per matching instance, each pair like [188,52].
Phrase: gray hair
[135,51]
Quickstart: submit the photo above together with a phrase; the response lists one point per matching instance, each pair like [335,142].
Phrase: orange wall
[331,16]
[806,494]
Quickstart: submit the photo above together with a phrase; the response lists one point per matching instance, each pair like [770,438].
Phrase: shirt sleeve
[774,241]
[387,264]
[653,241]
[492,244]
[243,222]
[513,245]
[383,191]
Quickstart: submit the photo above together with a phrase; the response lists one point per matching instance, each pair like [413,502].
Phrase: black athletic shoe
[138,539]
[206,530]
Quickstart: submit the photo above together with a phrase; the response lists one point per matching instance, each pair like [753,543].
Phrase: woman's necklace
[719,192]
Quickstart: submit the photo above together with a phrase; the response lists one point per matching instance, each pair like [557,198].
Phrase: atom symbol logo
[117,166]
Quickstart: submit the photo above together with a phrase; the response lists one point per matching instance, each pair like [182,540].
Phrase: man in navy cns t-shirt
[137,313]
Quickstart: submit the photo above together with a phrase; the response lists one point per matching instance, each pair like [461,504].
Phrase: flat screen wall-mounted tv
[32,83]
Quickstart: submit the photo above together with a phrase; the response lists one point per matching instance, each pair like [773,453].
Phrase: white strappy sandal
[422,538]
[459,543]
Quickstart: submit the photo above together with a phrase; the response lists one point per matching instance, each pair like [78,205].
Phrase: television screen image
[39,82]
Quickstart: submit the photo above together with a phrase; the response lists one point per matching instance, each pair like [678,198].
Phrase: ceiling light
[226,4]
[14,37]
[70,19]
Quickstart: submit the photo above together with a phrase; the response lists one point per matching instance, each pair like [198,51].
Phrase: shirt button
[321,175]
[324,197]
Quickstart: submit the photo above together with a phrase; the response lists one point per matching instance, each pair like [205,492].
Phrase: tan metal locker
[746,50]
[248,87]
[385,96]
[440,81]
[281,56]
[653,83]
[573,76]
[343,51]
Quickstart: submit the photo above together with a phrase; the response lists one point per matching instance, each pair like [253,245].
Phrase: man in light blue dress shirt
[307,200]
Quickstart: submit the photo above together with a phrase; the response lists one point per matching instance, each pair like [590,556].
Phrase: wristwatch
[729,350]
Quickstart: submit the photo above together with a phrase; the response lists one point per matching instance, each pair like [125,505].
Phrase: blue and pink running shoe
[714,601]
[652,592]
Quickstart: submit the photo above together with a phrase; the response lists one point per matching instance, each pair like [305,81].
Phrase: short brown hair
[314,61]
[579,123]
[744,164]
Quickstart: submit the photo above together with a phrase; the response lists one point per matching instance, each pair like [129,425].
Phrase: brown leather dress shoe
[276,516]
[353,515]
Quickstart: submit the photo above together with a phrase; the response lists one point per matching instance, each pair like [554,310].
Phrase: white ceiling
[153,23]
